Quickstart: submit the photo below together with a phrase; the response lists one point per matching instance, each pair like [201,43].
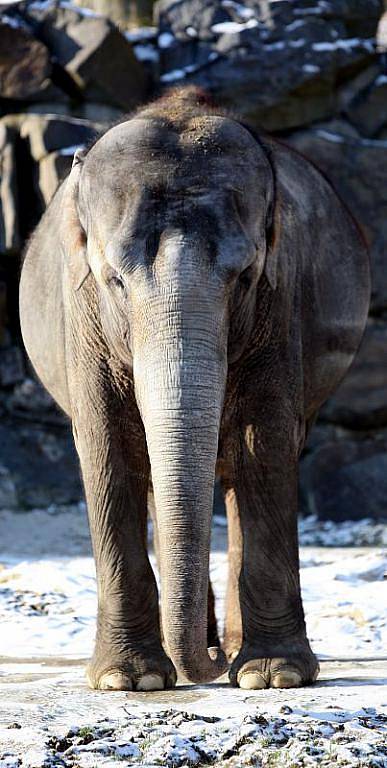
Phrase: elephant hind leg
[212,625]
[233,621]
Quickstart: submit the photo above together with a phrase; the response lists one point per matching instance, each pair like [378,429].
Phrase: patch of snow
[297,43]
[275,46]
[311,69]
[316,11]
[232,27]
[139,34]
[344,45]
[381,80]
[294,25]
[339,139]
[66,151]
[87,12]
[10,21]
[146,53]
[165,40]
[41,5]
[240,10]
[179,74]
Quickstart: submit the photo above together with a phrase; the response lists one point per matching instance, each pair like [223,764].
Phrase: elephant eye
[117,282]
[112,278]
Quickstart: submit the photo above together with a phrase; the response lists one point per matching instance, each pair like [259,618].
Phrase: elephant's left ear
[73,236]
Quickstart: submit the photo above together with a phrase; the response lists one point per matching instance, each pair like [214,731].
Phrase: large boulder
[52,141]
[346,479]
[91,50]
[25,66]
[278,64]
[49,133]
[357,168]
[38,462]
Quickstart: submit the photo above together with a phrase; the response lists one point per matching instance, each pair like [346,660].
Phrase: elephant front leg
[275,650]
[128,654]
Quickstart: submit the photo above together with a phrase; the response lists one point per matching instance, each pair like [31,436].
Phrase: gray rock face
[346,480]
[25,65]
[50,133]
[92,51]
[277,64]
[38,462]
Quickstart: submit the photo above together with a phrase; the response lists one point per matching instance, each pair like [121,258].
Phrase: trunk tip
[208,669]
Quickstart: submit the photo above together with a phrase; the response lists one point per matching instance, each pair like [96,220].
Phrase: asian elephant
[190,298]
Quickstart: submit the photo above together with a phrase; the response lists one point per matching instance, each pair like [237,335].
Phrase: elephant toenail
[150,682]
[115,681]
[251,681]
[286,679]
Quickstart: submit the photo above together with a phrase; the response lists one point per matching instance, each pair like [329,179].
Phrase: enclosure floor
[50,719]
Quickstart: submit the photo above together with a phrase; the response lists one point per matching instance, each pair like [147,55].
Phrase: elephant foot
[137,672]
[284,664]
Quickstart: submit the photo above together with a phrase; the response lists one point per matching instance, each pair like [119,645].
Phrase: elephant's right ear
[73,236]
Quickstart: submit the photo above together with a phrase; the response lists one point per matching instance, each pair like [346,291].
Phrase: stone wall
[312,73]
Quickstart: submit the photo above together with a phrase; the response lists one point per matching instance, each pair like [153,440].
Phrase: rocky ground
[49,717]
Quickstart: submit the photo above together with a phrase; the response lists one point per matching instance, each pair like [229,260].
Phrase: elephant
[192,295]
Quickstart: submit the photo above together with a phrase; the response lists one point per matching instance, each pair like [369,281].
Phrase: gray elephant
[190,298]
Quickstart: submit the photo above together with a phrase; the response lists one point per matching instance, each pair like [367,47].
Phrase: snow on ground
[49,718]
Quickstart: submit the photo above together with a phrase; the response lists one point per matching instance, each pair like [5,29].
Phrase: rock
[52,170]
[276,64]
[30,401]
[93,52]
[11,366]
[25,66]
[357,169]
[144,43]
[361,400]
[346,480]
[9,219]
[37,448]
[48,133]
[368,110]
[8,495]
[42,464]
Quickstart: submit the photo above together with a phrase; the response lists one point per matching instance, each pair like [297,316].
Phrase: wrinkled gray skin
[190,298]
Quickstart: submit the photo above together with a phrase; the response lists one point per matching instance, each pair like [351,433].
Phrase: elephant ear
[272,236]
[73,236]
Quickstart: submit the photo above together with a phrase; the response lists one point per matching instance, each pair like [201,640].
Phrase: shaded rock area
[312,73]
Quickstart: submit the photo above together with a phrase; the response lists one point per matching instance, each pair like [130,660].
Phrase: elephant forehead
[159,151]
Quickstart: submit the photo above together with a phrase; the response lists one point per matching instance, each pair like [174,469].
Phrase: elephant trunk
[179,378]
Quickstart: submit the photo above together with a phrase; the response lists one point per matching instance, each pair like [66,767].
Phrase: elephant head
[171,212]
